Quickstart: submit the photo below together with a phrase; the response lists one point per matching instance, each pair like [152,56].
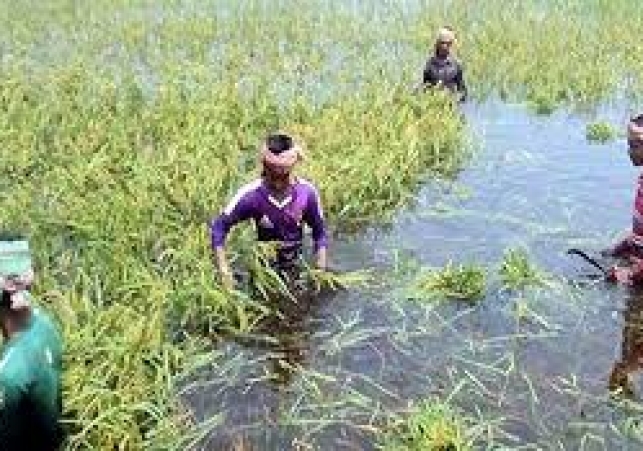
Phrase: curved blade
[588,259]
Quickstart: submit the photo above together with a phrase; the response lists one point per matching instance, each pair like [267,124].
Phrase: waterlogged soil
[528,369]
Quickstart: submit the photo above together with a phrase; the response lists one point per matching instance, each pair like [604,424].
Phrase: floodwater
[532,369]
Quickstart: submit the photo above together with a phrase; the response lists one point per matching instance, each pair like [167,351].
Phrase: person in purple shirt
[280,204]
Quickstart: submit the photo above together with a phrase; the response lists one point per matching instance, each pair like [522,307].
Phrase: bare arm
[322,258]
[460,84]
[227,279]
[240,209]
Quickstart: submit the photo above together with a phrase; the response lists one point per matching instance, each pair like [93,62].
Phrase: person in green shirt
[30,359]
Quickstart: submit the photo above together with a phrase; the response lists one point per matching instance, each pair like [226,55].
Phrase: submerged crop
[517,270]
[432,426]
[115,180]
[128,125]
[464,282]
[601,132]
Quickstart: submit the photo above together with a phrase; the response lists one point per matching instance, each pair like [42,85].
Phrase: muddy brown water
[330,377]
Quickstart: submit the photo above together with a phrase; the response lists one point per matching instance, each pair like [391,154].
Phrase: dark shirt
[446,72]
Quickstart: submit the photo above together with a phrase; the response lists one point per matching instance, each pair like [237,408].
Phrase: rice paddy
[126,126]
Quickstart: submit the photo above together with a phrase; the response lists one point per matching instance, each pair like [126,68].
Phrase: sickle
[590,260]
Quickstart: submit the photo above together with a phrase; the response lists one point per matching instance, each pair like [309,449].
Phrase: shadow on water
[533,368]
[258,369]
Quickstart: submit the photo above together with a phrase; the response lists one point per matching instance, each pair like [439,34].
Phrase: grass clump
[600,132]
[119,379]
[463,282]
[433,426]
[517,271]
[543,103]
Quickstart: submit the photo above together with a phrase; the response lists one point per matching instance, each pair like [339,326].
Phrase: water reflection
[284,336]
[321,371]
[253,392]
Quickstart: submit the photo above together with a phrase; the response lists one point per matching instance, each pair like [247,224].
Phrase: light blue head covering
[16,272]
[15,258]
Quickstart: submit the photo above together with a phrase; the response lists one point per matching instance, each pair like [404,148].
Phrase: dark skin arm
[461,86]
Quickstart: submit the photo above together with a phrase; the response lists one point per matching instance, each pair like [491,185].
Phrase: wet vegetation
[128,125]
[431,426]
[517,271]
[453,281]
[601,132]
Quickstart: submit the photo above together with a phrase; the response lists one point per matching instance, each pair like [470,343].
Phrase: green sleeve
[10,415]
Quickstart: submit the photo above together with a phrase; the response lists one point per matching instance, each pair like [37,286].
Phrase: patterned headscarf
[282,161]
[16,272]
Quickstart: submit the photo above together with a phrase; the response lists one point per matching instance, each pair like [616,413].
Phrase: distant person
[630,248]
[279,203]
[31,359]
[443,70]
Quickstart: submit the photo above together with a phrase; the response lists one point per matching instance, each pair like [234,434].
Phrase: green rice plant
[543,103]
[354,129]
[517,271]
[264,279]
[267,283]
[332,280]
[432,426]
[118,387]
[464,282]
[128,125]
[601,132]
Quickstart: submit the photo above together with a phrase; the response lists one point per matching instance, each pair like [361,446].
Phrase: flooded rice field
[128,125]
[528,369]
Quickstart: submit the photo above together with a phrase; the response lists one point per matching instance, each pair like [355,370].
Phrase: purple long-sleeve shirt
[274,220]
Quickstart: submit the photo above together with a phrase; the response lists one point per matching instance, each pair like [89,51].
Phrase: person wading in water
[443,70]
[630,249]
[279,203]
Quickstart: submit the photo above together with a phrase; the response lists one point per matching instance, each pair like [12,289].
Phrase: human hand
[227,279]
[322,259]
